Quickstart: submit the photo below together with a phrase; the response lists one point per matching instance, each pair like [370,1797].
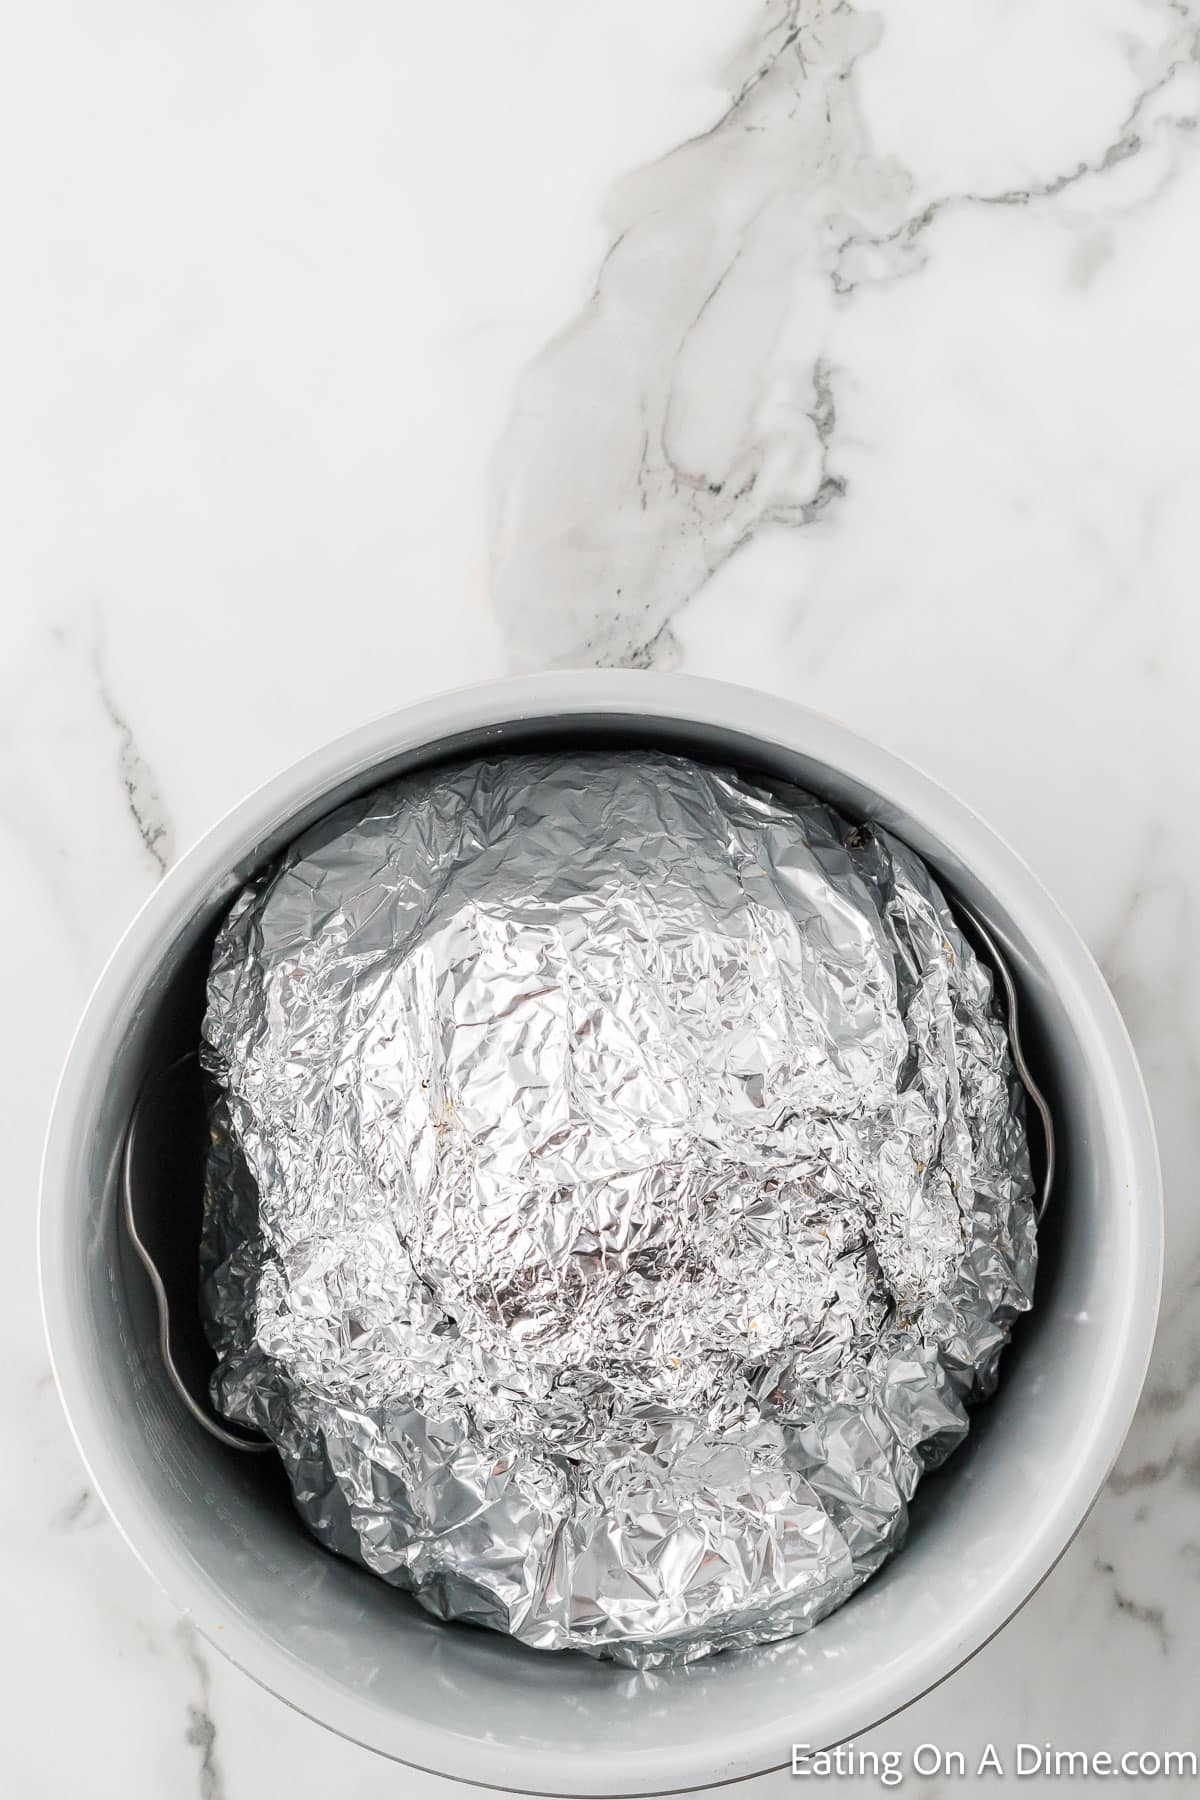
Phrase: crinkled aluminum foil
[618,1185]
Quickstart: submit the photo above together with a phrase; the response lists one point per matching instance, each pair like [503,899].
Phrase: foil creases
[618,1190]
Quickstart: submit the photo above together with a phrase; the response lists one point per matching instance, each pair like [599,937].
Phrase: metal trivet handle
[199,1408]
[1041,1104]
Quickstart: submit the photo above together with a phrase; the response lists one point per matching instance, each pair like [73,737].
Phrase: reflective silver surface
[619,1183]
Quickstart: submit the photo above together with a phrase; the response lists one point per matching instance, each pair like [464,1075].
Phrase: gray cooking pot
[215,1526]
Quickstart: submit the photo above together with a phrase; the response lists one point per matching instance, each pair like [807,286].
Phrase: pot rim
[680,699]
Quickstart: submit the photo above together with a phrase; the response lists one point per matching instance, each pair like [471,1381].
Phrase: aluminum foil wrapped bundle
[618,1189]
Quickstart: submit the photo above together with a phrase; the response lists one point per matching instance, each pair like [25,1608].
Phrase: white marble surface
[354,351]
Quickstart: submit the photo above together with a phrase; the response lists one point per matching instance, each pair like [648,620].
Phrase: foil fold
[618,1190]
